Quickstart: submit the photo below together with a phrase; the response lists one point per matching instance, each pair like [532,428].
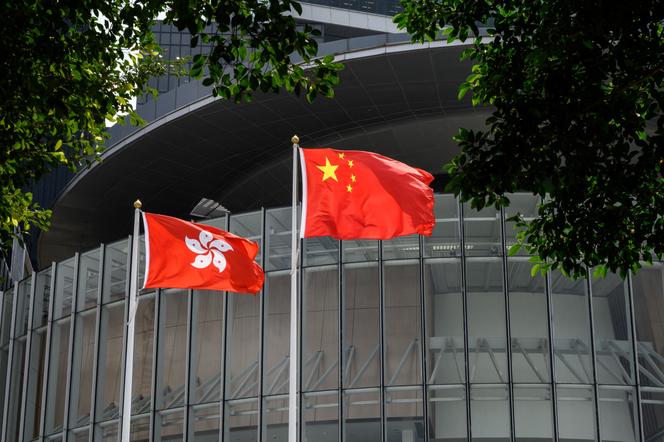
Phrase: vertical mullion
[423,343]
[70,351]
[381,342]
[635,356]
[261,331]
[340,347]
[127,371]
[552,365]
[10,363]
[464,296]
[47,352]
[224,349]
[593,355]
[95,356]
[155,362]
[28,351]
[187,370]
[508,328]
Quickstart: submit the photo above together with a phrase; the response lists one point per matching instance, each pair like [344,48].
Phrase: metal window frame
[189,323]
[95,356]
[224,349]
[423,342]
[130,244]
[552,362]
[381,341]
[464,295]
[635,356]
[10,362]
[70,350]
[28,352]
[591,313]
[261,330]
[152,434]
[47,353]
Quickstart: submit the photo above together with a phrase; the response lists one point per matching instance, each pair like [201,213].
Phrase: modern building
[417,339]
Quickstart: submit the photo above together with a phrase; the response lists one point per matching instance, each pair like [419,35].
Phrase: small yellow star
[328,170]
[342,155]
[350,163]
[349,188]
[352,177]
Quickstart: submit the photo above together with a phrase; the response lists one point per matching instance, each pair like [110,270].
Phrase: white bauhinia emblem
[209,251]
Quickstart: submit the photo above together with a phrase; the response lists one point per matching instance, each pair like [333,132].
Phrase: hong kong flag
[180,254]
[353,194]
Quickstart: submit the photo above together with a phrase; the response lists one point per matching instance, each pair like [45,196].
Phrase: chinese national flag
[180,254]
[362,195]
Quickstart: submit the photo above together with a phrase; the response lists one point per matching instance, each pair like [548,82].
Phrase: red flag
[195,256]
[353,194]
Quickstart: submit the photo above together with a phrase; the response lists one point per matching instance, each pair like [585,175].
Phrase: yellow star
[352,177]
[349,188]
[328,170]
[350,163]
[342,155]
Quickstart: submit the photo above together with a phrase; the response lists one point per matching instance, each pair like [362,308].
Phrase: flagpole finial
[138,204]
[295,139]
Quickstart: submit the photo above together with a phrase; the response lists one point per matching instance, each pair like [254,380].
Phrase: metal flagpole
[293,358]
[131,325]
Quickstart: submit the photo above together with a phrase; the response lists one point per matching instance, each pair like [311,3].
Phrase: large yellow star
[328,170]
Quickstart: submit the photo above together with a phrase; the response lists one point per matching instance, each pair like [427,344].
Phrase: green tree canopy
[70,66]
[576,90]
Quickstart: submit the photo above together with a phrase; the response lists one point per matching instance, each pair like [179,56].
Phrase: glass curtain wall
[443,338]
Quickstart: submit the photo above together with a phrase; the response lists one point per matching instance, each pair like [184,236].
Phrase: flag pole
[293,357]
[131,325]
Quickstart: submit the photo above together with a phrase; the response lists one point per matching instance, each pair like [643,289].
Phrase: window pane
[22,313]
[35,385]
[248,226]
[204,423]
[277,333]
[320,416]
[171,354]
[64,285]
[529,321]
[140,429]
[241,420]
[402,323]
[490,412]
[361,325]
[444,240]
[533,415]
[648,290]
[482,231]
[6,318]
[143,346]
[107,432]
[613,338]
[359,250]
[242,345]
[81,377]
[653,413]
[403,413]
[275,418]
[362,415]
[80,435]
[42,296]
[447,413]
[278,236]
[110,361]
[444,320]
[57,373]
[207,329]
[88,279]
[486,320]
[320,334]
[525,204]
[115,271]
[576,413]
[617,414]
[169,426]
[15,390]
[320,251]
[403,247]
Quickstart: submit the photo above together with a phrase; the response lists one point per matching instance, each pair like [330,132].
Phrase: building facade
[416,339]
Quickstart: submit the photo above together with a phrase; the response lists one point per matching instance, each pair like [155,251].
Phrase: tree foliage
[576,90]
[70,66]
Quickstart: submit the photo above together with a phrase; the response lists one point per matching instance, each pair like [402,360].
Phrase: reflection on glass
[35,385]
[648,292]
[169,426]
[277,333]
[204,424]
[447,413]
[241,420]
[248,225]
[22,309]
[320,416]
[482,231]
[444,240]
[320,335]
[80,435]
[107,432]
[402,247]
[529,323]
[490,412]
[143,346]
[6,319]
[242,345]
[15,389]
[533,414]
[404,419]
[359,250]
[57,373]
[613,337]
[275,418]
[361,345]
[402,312]
[82,366]
[320,251]
[653,413]
[140,429]
[361,415]
[88,279]
[172,348]
[109,370]
[571,327]
[206,345]
[42,295]
[525,204]
[576,413]
[487,340]
[444,320]
[278,237]
[617,414]
[115,271]
[64,286]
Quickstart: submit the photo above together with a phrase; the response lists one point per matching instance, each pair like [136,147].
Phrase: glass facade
[443,338]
